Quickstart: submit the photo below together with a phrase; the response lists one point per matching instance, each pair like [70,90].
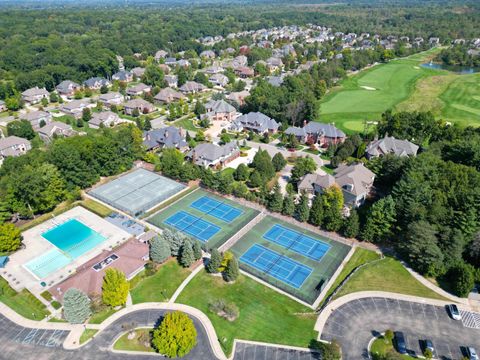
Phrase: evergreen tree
[288,207]
[278,161]
[255,179]
[332,208]
[275,201]
[197,250]
[316,211]
[351,225]
[115,288]
[86,114]
[176,336]
[186,257]
[175,239]
[301,209]
[462,279]
[76,306]
[380,220]
[241,173]
[215,262]
[232,271]
[147,125]
[159,249]
[5,213]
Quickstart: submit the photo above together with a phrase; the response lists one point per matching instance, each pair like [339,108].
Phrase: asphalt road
[357,322]
[17,342]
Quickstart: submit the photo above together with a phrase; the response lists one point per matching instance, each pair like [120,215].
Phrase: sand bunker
[368,88]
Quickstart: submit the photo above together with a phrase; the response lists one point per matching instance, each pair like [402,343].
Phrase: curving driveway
[355,323]
[17,342]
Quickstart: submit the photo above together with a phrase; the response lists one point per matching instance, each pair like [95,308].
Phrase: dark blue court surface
[276,265]
[216,208]
[298,242]
[192,225]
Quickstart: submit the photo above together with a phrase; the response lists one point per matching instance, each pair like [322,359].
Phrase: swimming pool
[71,239]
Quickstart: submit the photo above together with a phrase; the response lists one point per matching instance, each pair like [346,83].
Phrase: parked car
[454,312]
[400,342]
[428,345]
[472,353]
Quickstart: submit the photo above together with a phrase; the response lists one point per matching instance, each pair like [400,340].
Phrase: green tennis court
[298,251]
[221,217]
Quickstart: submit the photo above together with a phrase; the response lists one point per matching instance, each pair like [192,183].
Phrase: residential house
[139,89]
[111,98]
[35,95]
[318,133]
[256,122]
[13,146]
[160,54]
[355,181]
[171,80]
[104,119]
[192,87]
[274,64]
[171,61]
[275,80]
[37,118]
[244,72]
[214,69]
[218,80]
[67,88]
[168,137]
[3,107]
[123,76]
[214,156]
[390,145]
[95,83]
[55,129]
[220,110]
[144,107]
[138,72]
[208,54]
[75,107]
[164,68]
[238,97]
[168,95]
[183,63]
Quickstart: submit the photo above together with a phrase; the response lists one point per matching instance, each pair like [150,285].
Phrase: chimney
[304,123]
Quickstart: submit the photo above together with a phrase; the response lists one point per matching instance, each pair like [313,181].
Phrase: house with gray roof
[143,107]
[35,95]
[390,145]
[214,156]
[55,129]
[171,80]
[67,88]
[13,146]
[220,110]
[218,80]
[214,69]
[75,108]
[355,181]
[317,133]
[192,87]
[256,122]
[138,72]
[171,61]
[274,64]
[160,54]
[168,137]
[168,95]
[95,83]
[111,98]
[123,76]
[275,80]
[37,118]
[104,119]
[139,89]
[209,54]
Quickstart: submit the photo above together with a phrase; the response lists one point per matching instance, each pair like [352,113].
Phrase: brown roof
[132,256]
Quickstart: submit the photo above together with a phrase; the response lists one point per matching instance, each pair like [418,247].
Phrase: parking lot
[247,351]
[357,322]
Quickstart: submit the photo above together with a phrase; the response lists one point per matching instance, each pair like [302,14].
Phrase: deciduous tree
[176,336]
[115,287]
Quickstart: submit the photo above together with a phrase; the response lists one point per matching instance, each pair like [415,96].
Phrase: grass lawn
[138,343]
[264,315]
[360,256]
[186,123]
[99,317]
[24,303]
[87,335]
[97,208]
[387,275]
[161,286]
[381,347]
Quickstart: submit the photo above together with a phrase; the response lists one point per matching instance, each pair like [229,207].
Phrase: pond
[454,68]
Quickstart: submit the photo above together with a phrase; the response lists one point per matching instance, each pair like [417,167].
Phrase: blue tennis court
[296,241]
[216,208]
[192,225]
[276,265]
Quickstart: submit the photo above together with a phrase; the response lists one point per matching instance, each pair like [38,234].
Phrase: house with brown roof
[55,129]
[144,107]
[317,133]
[139,89]
[220,110]
[130,258]
[168,95]
[214,156]
[192,87]
[390,145]
[244,72]
[104,118]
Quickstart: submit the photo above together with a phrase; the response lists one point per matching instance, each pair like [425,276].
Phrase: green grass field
[322,270]
[23,302]
[227,229]
[264,315]
[402,85]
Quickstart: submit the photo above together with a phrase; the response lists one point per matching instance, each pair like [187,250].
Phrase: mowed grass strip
[264,314]
[159,287]
[23,302]
[387,275]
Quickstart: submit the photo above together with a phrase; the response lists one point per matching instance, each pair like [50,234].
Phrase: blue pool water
[71,239]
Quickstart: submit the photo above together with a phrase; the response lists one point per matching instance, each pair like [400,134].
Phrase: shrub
[76,306]
[461,278]
[10,237]
[176,336]
[224,309]
[214,262]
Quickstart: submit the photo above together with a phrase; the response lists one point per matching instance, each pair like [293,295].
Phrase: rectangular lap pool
[71,239]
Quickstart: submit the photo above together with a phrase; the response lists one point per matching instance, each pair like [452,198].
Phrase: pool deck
[35,245]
